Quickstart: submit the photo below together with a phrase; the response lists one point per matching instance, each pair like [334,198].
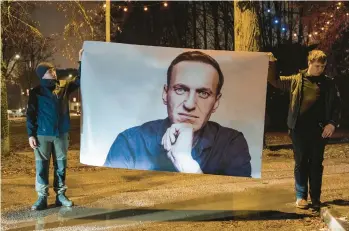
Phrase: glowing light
[315,33]
[310,36]
[328,22]
[165,4]
[322,28]
[17,56]
[145,8]
[125,9]
[295,35]
[276,21]
[268,10]
[104,5]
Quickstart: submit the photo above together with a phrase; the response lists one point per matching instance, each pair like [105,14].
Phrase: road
[115,199]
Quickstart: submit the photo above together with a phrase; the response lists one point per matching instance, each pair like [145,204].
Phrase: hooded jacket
[48,106]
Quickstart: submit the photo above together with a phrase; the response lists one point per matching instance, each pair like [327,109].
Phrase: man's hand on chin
[177,140]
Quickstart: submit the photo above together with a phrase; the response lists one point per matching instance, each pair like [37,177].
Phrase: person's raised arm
[281,82]
[75,82]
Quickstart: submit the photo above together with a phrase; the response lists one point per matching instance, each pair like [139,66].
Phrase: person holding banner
[186,141]
[314,114]
[48,124]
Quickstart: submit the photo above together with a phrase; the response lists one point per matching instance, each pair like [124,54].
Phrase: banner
[173,109]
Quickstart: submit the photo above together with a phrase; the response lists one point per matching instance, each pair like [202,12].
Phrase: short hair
[197,56]
[317,55]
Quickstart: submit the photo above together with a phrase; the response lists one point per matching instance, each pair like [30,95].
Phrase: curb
[331,218]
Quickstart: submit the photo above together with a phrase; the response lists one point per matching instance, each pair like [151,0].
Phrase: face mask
[48,82]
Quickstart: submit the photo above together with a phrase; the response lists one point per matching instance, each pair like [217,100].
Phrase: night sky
[52,21]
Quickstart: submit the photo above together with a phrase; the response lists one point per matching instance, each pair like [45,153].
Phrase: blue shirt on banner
[219,150]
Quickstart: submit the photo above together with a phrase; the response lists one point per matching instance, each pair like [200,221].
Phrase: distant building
[74,107]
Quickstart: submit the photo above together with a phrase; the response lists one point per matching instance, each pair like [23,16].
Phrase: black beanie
[42,68]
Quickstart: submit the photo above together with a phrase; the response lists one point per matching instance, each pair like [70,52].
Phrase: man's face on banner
[192,94]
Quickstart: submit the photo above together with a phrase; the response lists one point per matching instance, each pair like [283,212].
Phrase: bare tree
[16,26]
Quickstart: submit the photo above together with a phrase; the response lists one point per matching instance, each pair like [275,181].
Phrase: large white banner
[173,109]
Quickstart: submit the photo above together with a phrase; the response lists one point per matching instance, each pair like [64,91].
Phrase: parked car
[19,113]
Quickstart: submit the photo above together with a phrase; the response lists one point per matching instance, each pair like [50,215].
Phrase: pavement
[334,220]
[115,199]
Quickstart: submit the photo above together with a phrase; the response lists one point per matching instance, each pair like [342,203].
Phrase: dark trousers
[308,148]
[58,148]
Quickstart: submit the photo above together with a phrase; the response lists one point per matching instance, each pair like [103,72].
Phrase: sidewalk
[137,200]
[336,217]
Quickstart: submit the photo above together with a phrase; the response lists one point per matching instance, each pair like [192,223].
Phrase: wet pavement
[113,199]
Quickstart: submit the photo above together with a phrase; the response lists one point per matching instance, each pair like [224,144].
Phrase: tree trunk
[246,26]
[270,29]
[277,13]
[263,30]
[195,44]
[226,26]
[5,133]
[290,21]
[284,13]
[205,22]
[300,28]
[214,6]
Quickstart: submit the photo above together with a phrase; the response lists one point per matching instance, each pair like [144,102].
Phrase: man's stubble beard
[196,131]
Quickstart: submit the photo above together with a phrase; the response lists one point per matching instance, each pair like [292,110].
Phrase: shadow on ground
[338,202]
[83,216]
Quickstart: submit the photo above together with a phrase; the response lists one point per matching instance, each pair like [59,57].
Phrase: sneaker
[302,203]
[40,204]
[62,200]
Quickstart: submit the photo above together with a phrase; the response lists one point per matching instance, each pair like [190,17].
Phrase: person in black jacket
[48,124]
[314,114]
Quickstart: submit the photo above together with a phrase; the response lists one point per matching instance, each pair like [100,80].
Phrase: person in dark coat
[314,114]
[48,124]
